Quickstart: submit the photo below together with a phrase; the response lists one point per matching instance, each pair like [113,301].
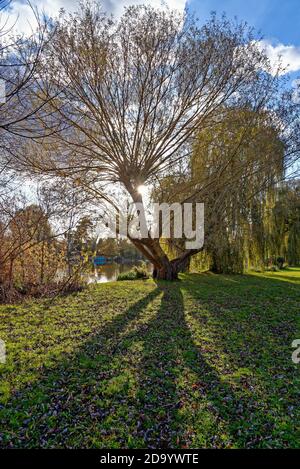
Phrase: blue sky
[278,20]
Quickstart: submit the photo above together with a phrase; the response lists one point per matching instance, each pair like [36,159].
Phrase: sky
[277,20]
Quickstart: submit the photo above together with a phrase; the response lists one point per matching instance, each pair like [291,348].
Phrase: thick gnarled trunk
[163,267]
[165,273]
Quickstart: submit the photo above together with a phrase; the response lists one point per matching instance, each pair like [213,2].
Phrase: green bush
[138,272]
[131,275]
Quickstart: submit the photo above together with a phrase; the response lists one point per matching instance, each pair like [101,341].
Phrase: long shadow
[254,320]
[183,401]
[88,400]
[140,381]
[43,413]
[252,307]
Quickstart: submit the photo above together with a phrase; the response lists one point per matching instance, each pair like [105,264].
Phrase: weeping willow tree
[282,226]
[242,139]
[242,147]
[261,223]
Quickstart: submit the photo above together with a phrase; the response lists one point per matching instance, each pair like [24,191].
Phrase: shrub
[141,271]
[130,275]
[138,272]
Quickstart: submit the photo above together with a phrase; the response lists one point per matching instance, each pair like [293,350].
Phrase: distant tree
[108,247]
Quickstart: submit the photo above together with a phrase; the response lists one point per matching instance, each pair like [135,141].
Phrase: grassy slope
[204,362]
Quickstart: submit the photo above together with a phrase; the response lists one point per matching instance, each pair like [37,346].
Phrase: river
[109,272]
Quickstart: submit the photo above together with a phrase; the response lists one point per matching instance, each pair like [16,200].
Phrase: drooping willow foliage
[260,222]
[256,221]
[270,237]
[284,224]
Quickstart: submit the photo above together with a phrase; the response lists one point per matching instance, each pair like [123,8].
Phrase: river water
[109,273]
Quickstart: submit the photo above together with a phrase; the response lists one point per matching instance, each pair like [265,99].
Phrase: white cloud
[116,6]
[19,17]
[22,16]
[287,56]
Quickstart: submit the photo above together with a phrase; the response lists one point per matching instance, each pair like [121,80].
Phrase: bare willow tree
[126,100]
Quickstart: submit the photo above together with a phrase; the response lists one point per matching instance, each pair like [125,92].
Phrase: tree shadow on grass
[183,400]
[254,321]
[59,405]
[255,311]
[291,279]
[141,381]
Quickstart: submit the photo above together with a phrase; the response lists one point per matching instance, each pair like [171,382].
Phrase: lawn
[202,362]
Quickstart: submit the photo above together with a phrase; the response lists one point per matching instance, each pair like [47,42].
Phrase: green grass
[203,362]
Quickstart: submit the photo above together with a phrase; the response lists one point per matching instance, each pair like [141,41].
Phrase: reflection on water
[109,273]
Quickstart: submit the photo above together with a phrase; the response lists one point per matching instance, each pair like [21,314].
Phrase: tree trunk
[165,273]
[10,273]
[163,267]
